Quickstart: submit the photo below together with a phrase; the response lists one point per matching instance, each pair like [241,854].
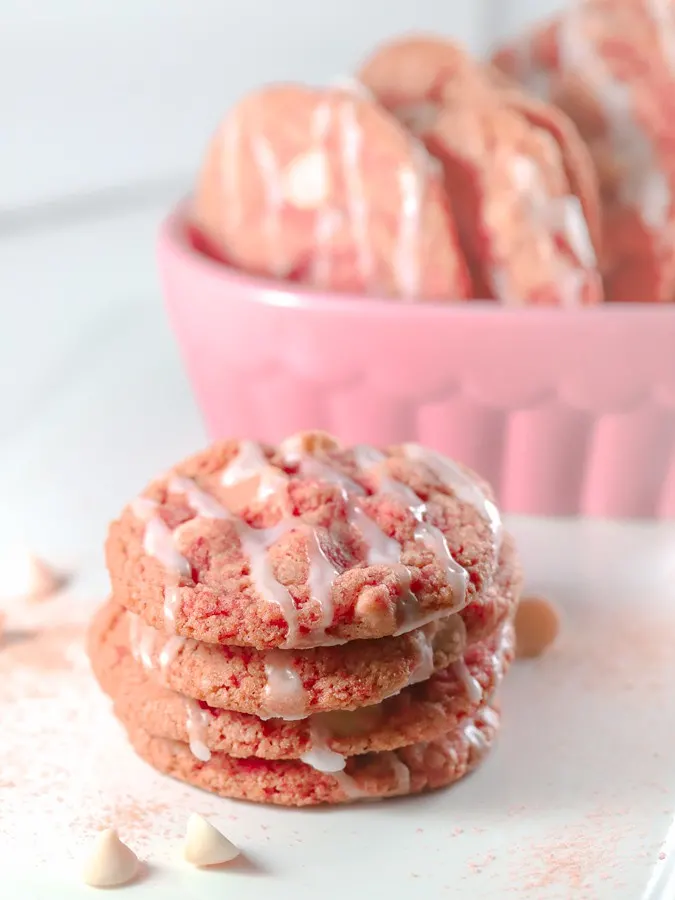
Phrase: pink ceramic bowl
[564,411]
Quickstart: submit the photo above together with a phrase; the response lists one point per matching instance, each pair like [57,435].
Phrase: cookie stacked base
[309,624]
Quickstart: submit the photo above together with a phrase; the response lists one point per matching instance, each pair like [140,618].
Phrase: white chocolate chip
[111,862]
[311,442]
[26,577]
[306,180]
[205,845]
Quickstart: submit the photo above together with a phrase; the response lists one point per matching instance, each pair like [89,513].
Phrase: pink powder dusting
[480,863]
[42,651]
[575,858]
[615,652]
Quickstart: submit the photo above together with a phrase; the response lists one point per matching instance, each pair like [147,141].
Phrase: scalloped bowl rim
[272,292]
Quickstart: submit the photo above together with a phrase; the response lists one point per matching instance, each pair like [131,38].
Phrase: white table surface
[578,800]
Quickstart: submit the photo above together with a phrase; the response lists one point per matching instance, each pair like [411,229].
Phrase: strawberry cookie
[287,683]
[519,183]
[433,704]
[609,65]
[409,770]
[281,683]
[307,544]
[325,188]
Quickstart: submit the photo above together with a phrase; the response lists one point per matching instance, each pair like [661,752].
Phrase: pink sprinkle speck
[662,855]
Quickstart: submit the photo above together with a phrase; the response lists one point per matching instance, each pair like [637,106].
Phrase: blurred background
[106,109]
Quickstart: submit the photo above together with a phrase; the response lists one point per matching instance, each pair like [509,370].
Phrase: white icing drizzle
[567,217]
[350,787]
[505,643]
[487,715]
[368,457]
[171,606]
[471,685]
[425,663]
[143,508]
[200,502]
[249,462]
[324,217]
[254,543]
[170,651]
[645,185]
[351,142]
[268,166]
[320,756]
[141,641]
[197,722]
[475,736]
[159,542]
[663,16]
[284,694]
[322,574]
[432,538]
[383,549]
[158,538]
[452,753]
[407,260]
[556,215]
[402,774]
[463,486]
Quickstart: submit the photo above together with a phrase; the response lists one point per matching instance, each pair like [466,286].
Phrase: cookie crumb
[205,845]
[537,626]
[111,863]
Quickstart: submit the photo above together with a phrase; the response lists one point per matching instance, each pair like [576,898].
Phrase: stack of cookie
[309,623]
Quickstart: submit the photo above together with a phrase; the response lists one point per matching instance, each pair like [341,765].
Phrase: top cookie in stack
[309,623]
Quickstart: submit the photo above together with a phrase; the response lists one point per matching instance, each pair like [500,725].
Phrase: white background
[105,109]
[98,95]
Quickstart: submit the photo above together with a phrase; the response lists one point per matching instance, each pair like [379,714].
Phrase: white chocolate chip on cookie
[308,442]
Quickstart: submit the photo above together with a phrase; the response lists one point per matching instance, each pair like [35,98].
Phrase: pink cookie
[295,547]
[410,770]
[325,188]
[277,682]
[292,684]
[608,65]
[507,166]
[425,711]
[412,75]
